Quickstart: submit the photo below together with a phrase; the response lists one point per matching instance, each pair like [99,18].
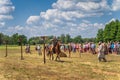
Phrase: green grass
[32,67]
[10,47]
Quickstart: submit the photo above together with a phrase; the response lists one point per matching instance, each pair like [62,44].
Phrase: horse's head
[59,42]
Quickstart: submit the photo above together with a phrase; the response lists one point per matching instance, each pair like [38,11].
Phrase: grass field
[32,67]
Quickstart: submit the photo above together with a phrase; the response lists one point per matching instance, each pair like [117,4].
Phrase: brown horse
[54,50]
[57,50]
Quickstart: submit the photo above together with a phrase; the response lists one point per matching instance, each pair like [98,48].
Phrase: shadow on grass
[111,61]
[76,57]
[62,61]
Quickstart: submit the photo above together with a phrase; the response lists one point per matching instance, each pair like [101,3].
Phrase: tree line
[14,39]
[64,39]
[111,32]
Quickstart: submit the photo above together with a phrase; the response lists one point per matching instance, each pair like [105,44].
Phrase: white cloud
[85,21]
[113,19]
[32,19]
[99,26]
[64,4]
[5,2]
[116,5]
[4,17]
[86,5]
[6,8]
[2,24]
[70,10]
[65,18]
[18,27]
[90,6]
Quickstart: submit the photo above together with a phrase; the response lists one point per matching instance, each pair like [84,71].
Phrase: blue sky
[56,17]
[26,8]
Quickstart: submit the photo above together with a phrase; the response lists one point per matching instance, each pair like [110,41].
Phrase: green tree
[1,38]
[62,38]
[34,40]
[89,40]
[113,31]
[118,32]
[78,39]
[15,38]
[24,39]
[67,38]
[6,38]
[100,35]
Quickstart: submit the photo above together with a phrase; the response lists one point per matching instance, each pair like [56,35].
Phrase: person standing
[118,48]
[93,46]
[101,52]
[39,50]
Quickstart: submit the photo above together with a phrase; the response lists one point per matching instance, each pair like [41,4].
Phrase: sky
[55,17]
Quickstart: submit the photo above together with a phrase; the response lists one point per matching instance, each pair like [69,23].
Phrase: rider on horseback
[54,42]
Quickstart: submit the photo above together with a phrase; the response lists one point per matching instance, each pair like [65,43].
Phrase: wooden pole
[21,52]
[20,40]
[69,49]
[44,57]
[80,54]
[6,49]
[44,52]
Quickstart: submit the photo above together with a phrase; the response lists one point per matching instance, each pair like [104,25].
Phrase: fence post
[44,57]
[20,41]
[6,48]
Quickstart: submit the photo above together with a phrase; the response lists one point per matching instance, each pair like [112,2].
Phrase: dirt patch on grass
[104,72]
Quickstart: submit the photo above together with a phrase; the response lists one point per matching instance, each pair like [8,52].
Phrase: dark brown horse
[55,50]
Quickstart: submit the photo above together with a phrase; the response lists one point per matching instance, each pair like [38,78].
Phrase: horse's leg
[59,56]
[69,53]
[52,56]
[56,56]
[49,56]
[56,52]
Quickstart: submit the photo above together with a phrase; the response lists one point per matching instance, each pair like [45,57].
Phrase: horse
[54,50]
[57,50]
